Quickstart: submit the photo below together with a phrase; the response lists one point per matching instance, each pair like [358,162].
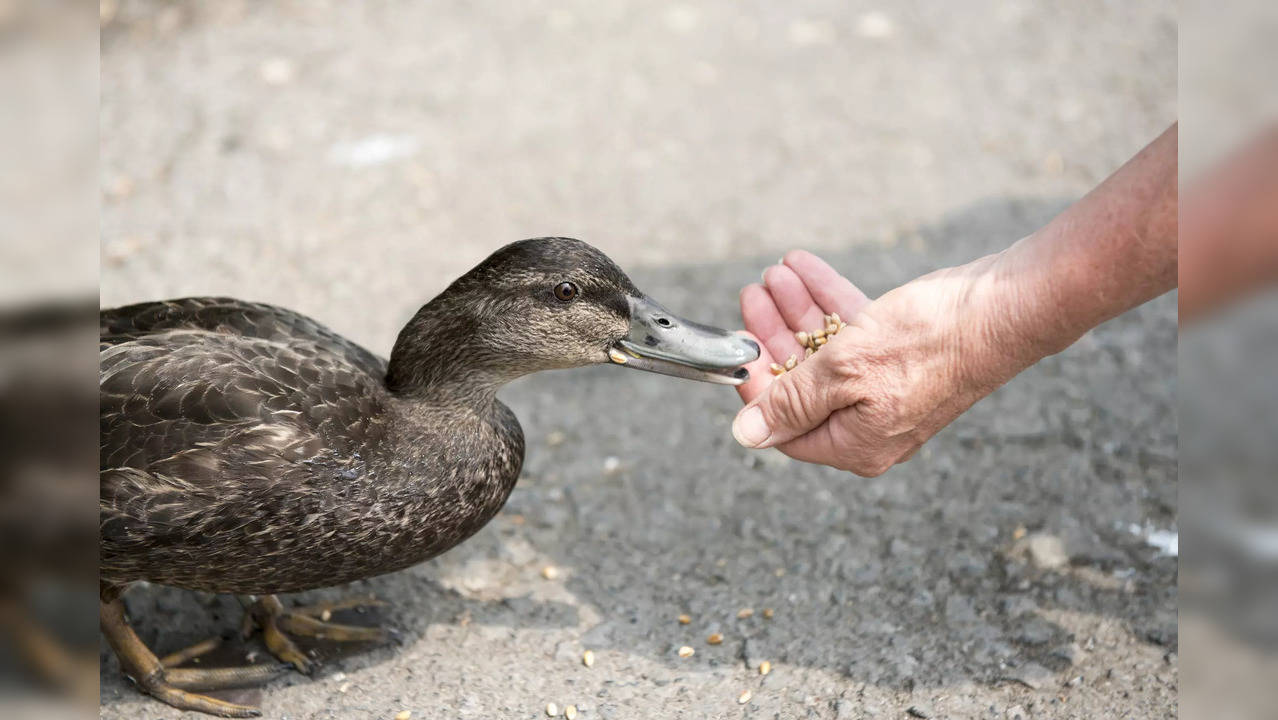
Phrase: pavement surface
[349,159]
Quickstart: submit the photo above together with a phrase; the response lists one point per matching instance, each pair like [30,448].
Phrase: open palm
[795,295]
[905,366]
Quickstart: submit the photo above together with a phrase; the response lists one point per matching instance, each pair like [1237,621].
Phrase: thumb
[795,403]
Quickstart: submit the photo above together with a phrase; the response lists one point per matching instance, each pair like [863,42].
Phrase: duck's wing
[232,317]
[204,431]
[193,402]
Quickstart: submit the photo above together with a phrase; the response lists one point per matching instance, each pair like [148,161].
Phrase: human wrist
[1013,314]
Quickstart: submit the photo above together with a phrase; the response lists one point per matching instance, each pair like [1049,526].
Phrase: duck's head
[551,303]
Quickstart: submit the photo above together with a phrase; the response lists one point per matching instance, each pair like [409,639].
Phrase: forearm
[911,361]
[1107,253]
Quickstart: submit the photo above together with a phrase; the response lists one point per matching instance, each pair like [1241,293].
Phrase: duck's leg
[276,622]
[174,659]
[170,685]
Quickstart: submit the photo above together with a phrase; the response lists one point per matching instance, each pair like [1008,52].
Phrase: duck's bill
[660,341]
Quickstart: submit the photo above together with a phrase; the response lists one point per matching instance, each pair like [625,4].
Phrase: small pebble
[555,438]
[344,687]
[715,639]
[744,613]
[686,652]
[685,619]
[550,572]
[768,613]
[744,697]
[403,714]
[326,615]
[765,667]
[1047,551]
[588,658]
[552,710]
[570,712]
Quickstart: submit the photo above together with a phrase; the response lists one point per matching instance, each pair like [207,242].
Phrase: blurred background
[1228,395]
[347,160]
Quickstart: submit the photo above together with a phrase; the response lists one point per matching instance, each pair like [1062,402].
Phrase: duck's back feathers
[191,375]
[229,316]
[186,393]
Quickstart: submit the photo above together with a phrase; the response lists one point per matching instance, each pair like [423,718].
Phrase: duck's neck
[439,357]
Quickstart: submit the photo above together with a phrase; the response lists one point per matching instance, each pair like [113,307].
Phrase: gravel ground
[347,160]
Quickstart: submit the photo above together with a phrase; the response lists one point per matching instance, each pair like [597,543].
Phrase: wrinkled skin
[911,361]
[906,365]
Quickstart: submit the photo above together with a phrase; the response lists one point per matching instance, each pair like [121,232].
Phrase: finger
[829,289]
[764,321]
[760,376]
[792,298]
[794,403]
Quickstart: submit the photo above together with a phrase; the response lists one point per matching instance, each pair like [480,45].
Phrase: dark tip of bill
[752,344]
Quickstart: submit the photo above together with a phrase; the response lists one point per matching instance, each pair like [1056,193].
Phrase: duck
[248,449]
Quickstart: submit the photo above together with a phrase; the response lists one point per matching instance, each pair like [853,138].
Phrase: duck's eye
[565,291]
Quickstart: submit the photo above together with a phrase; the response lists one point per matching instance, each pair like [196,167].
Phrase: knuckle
[888,410]
[840,378]
[788,403]
[842,365]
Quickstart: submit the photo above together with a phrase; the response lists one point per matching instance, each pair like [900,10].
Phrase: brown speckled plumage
[248,449]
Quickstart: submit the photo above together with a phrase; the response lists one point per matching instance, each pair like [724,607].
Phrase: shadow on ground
[168,619]
[901,580]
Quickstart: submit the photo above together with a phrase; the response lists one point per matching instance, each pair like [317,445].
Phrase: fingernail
[750,429]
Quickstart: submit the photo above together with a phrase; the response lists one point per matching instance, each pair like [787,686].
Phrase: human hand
[905,366]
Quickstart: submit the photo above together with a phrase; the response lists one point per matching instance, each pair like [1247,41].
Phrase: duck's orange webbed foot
[277,622]
[163,680]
